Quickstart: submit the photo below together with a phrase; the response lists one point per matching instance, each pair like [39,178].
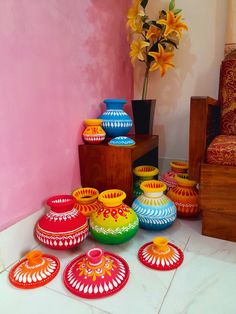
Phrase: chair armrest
[204,126]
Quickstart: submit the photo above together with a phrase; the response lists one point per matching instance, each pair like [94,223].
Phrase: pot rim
[153,186]
[140,171]
[86,194]
[179,165]
[112,197]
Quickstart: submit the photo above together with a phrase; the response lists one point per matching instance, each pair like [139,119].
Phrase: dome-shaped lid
[160,255]
[96,274]
[35,270]
[121,141]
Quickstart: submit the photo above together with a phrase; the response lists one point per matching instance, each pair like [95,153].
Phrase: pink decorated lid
[96,274]
[34,271]
[160,254]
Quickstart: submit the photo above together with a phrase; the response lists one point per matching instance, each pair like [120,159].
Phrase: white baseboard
[18,239]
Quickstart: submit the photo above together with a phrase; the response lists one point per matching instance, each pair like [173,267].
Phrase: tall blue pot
[116,122]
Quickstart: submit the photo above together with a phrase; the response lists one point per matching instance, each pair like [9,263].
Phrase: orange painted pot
[87,200]
[94,133]
[185,196]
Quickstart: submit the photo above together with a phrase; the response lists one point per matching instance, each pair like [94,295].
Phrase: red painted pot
[63,227]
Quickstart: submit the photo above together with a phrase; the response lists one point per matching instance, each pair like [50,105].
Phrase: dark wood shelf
[111,167]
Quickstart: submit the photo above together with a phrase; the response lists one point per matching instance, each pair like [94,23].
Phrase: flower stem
[145,83]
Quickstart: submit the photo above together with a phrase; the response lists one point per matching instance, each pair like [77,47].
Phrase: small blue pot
[116,122]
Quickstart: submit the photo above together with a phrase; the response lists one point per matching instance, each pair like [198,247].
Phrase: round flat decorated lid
[34,271]
[160,255]
[96,274]
[121,141]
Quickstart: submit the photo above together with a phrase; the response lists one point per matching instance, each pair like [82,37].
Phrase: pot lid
[96,274]
[160,254]
[34,271]
[122,141]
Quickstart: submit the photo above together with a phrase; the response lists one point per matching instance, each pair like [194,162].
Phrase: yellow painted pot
[114,222]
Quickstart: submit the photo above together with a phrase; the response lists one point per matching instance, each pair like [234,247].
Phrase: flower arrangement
[153,41]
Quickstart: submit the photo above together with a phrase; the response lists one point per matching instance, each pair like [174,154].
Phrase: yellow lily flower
[162,60]
[173,24]
[153,32]
[134,16]
[136,49]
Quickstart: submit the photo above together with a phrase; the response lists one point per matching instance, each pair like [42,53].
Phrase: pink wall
[58,60]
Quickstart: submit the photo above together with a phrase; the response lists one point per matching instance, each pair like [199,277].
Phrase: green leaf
[144,3]
[177,11]
[172,5]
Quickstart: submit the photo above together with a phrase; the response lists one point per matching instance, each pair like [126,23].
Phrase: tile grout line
[78,300]
[168,289]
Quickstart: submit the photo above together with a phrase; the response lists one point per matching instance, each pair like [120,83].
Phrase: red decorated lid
[160,254]
[96,274]
[35,270]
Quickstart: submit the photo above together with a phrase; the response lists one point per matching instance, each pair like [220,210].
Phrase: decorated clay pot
[35,270]
[87,200]
[185,197]
[143,173]
[114,222]
[116,122]
[96,274]
[93,133]
[160,254]
[177,167]
[155,210]
[62,227]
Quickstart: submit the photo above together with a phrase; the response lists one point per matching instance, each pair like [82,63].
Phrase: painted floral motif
[113,212]
[222,150]
[227,97]
[105,267]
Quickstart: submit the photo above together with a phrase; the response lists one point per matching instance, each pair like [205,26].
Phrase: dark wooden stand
[110,167]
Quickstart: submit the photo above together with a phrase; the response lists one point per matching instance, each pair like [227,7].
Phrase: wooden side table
[110,167]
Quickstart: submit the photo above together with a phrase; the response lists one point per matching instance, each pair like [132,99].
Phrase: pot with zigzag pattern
[114,222]
[116,122]
[154,209]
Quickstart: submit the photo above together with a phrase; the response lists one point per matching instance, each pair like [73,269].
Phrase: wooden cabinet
[109,167]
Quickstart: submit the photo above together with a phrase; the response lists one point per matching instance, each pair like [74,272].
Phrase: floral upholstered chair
[212,154]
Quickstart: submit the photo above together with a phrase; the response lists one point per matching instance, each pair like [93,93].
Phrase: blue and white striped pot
[116,121]
[154,209]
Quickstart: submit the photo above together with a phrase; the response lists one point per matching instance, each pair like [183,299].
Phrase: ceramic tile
[145,289]
[205,283]
[212,247]
[18,239]
[39,301]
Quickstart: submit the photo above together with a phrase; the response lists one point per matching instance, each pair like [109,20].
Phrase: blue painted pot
[153,208]
[116,122]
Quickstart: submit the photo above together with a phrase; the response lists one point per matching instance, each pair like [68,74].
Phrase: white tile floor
[204,284]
